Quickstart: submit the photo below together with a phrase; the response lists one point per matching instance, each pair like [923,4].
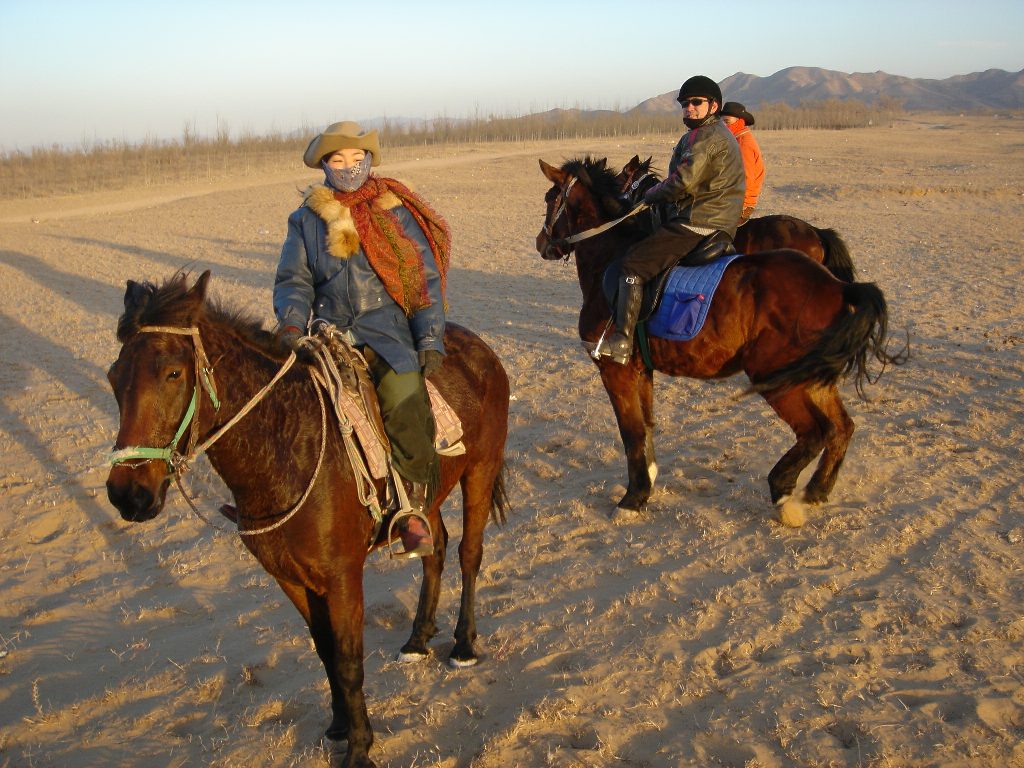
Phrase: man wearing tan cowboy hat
[738,120]
[369,256]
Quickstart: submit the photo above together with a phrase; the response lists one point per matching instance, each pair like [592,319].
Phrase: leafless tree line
[121,164]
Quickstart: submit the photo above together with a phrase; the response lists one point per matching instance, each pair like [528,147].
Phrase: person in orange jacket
[739,120]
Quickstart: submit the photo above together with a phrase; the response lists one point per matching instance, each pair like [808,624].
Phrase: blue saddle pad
[687,299]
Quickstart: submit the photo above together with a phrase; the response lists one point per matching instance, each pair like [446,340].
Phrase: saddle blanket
[447,437]
[686,300]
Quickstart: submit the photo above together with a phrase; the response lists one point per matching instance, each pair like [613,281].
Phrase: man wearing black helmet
[702,196]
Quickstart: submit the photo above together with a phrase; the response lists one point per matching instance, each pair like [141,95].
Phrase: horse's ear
[196,296]
[199,289]
[554,175]
[135,294]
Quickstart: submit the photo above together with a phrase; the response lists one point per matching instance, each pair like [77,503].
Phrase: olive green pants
[408,420]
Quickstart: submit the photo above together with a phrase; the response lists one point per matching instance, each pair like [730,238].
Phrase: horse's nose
[135,502]
[546,248]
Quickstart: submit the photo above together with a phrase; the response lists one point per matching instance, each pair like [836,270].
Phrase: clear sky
[81,71]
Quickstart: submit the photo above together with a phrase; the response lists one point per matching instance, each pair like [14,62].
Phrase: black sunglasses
[693,102]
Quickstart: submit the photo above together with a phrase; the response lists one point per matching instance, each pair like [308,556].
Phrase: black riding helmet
[699,85]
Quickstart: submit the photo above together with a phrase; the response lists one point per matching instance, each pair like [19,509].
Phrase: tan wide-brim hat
[346,135]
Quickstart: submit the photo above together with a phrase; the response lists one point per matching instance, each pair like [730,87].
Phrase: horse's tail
[837,255]
[844,347]
[499,498]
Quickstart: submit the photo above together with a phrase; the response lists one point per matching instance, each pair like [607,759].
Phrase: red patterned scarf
[392,254]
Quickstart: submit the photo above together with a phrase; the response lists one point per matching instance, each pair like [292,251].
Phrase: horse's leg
[794,406]
[646,387]
[424,625]
[838,428]
[626,385]
[344,608]
[477,485]
[314,611]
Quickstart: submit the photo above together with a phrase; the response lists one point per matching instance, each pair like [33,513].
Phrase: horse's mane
[166,304]
[595,174]
[606,189]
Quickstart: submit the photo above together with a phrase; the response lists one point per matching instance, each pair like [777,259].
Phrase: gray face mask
[348,179]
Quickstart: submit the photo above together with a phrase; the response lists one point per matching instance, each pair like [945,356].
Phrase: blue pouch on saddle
[686,300]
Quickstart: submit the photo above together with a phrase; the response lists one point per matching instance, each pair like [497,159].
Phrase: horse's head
[635,178]
[583,195]
[155,384]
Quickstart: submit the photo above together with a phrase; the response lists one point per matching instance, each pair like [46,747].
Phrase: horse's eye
[174,375]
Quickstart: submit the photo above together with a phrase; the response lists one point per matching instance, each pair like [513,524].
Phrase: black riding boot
[619,344]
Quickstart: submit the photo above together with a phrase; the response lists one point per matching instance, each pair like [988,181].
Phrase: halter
[176,461]
[587,233]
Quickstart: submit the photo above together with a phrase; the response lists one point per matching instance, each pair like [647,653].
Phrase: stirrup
[604,349]
[597,350]
[420,551]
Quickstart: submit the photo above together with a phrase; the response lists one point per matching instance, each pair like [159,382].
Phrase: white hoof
[462,663]
[792,511]
[411,658]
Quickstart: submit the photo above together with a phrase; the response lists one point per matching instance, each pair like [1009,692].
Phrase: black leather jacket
[705,182]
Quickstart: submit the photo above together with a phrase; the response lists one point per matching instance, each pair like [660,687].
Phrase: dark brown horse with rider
[302,508]
[785,321]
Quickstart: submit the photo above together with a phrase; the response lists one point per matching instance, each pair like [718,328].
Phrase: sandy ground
[885,632]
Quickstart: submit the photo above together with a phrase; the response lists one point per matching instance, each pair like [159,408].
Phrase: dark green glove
[430,361]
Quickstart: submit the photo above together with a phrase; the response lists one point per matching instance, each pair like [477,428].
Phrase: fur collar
[342,237]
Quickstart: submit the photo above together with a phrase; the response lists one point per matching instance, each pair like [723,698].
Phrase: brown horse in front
[268,458]
[761,233]
[779,317]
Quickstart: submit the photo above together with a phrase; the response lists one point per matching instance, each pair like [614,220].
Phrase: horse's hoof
[792,511]
[332,747]
[624,516]
[411,657]
[454,663]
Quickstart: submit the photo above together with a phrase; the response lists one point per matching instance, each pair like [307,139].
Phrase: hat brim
[328,143]
[732,109]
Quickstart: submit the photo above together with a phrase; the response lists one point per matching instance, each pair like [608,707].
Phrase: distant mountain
[991,89]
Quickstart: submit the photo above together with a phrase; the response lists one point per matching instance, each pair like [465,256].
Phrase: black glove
[430,360]
[291,339]
[289,336]
[651,195]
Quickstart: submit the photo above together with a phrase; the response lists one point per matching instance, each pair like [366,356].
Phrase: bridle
[631,185]
[563,204]
[586,234]
[178,462]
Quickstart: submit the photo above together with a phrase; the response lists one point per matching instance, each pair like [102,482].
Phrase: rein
[586,234]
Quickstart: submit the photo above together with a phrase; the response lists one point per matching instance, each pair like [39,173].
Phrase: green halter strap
[203,376]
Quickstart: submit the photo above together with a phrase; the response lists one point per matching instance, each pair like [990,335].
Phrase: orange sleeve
[753,165]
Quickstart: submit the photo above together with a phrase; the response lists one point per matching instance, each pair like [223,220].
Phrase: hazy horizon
[82,73]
